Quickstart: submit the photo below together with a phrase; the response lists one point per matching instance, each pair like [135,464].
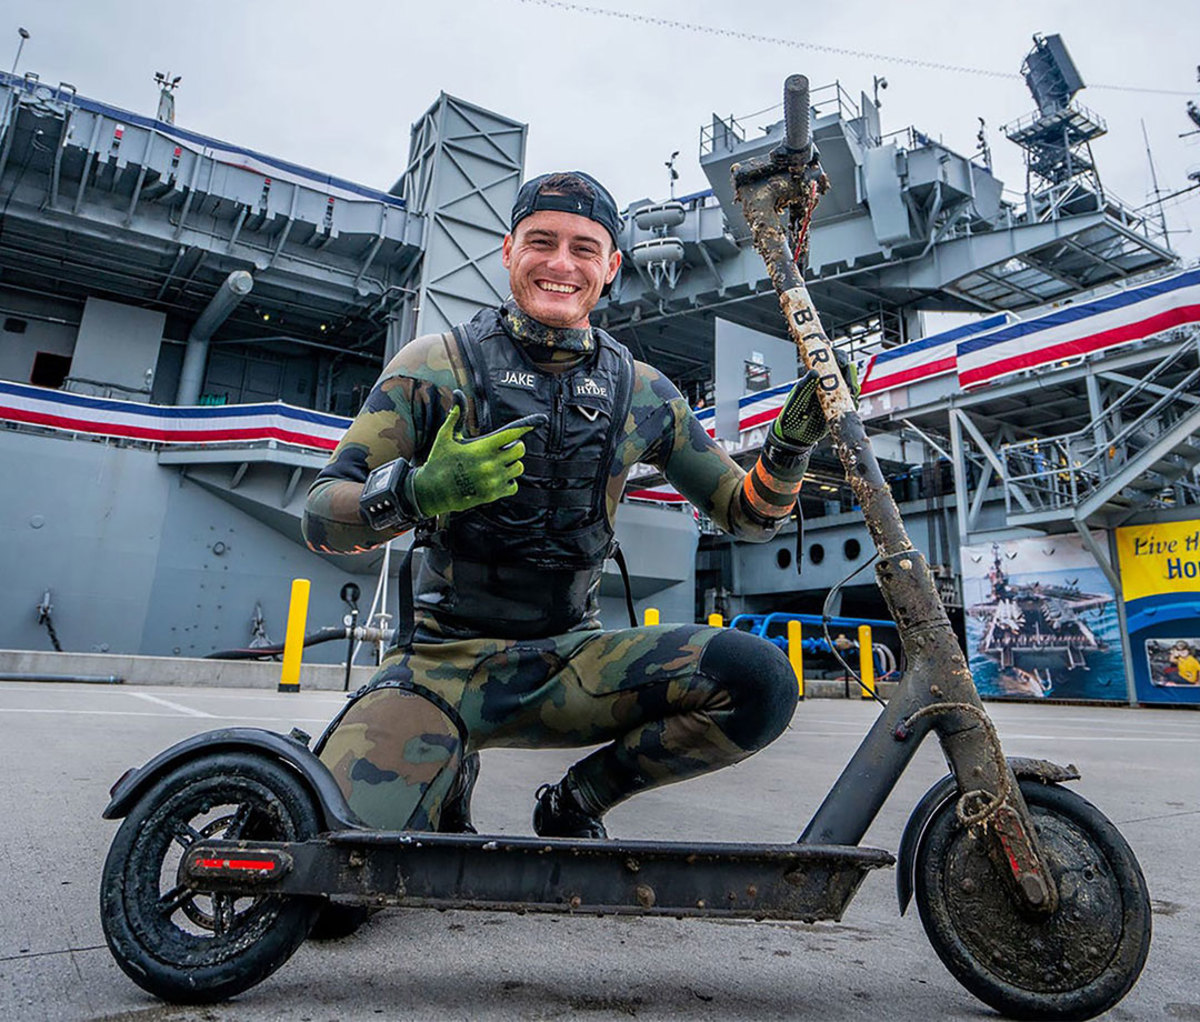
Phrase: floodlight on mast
[880,83]
[24,34]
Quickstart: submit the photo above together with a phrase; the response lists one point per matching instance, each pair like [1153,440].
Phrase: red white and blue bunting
[999,346]
[165,424]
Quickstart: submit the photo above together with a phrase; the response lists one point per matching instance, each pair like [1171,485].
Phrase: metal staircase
[1141,453]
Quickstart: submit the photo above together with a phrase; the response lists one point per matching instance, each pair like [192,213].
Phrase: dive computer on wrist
[384,503]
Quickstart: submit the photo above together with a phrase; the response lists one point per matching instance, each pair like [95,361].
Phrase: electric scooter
[235,841]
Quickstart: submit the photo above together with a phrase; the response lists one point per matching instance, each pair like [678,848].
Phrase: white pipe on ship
[228,297]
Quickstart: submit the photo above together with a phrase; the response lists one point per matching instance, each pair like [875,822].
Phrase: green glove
[463,472]
[800,422]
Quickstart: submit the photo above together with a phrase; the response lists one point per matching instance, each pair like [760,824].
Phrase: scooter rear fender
[944,790]
[335,813]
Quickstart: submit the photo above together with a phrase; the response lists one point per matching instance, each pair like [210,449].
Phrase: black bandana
[545,343]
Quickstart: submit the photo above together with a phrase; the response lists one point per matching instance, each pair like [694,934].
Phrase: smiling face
[557,264]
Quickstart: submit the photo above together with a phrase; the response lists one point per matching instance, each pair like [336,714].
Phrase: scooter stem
[772,189]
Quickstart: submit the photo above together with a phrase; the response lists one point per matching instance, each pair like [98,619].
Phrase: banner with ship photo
[1160,582]
[1041,621]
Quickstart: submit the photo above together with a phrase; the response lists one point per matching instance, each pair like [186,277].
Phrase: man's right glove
[463,472]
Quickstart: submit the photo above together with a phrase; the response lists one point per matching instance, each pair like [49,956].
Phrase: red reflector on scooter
[239,866]
[255,865]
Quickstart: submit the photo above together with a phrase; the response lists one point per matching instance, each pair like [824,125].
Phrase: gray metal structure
[186,213]
[464,169]
[1106,440]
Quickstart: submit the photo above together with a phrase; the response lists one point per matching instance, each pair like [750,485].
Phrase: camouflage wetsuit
[670,701]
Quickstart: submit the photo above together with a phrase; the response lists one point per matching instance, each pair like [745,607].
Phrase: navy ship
[1033,629]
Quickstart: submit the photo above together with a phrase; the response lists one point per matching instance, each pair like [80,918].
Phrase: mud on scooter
[233,842]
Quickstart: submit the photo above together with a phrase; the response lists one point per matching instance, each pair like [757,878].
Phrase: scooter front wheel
[1072,964]
[183,945]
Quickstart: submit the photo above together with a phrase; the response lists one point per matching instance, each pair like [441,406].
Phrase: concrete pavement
[63,746]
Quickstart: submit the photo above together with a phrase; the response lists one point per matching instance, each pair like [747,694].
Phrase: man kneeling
[508,440]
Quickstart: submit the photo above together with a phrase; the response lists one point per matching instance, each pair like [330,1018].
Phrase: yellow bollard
[866,661]
[716,621]
[293,643]
[650,616]
[796,653]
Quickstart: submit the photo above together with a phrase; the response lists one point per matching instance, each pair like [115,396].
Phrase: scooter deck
[522,874]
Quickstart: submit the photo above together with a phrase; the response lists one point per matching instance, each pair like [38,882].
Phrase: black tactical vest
[529,565]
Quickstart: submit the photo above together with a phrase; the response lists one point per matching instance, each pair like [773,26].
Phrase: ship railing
[1059,472]
[823,95]
[1074,113]
[905,138]
[721,133]
[1145,430]
[46,99]
[912,137]
[1050,204]
[1063,200]
[1148,383]
[728,133]
[1050,473]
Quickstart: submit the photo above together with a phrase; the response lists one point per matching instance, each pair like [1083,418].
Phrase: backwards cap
[600,207]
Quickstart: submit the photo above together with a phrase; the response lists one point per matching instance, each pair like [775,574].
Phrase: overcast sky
[336,86]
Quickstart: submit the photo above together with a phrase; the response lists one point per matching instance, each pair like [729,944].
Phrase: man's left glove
[800,422]
[770,488]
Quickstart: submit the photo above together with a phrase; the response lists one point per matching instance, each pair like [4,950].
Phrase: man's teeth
[566,289]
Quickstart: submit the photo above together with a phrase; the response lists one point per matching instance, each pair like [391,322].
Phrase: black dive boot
[559,814]
[456,813]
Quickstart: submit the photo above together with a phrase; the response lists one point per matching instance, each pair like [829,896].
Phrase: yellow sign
[1160,558]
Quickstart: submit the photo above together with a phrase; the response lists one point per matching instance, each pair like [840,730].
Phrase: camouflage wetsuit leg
[672,701]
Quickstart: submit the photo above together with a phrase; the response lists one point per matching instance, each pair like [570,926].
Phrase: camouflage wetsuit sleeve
[399,419]
[693,462]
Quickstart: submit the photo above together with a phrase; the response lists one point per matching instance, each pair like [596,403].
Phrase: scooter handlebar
[797,137]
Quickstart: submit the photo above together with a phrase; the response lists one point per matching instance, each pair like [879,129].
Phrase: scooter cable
[825,618]
[990,803]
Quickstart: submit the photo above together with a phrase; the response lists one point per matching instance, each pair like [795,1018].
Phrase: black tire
[1073,964]
[193,948]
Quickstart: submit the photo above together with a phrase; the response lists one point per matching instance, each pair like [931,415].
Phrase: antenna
[1193,111]
[984,150]
[166,98]
[672,172]
[1050,74]
[1162,213]
[1058,138]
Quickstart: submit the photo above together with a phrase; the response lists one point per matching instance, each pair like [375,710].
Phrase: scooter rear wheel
[186,946]
[1072,964]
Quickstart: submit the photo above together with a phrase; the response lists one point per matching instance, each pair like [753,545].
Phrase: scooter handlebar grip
[797,137]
